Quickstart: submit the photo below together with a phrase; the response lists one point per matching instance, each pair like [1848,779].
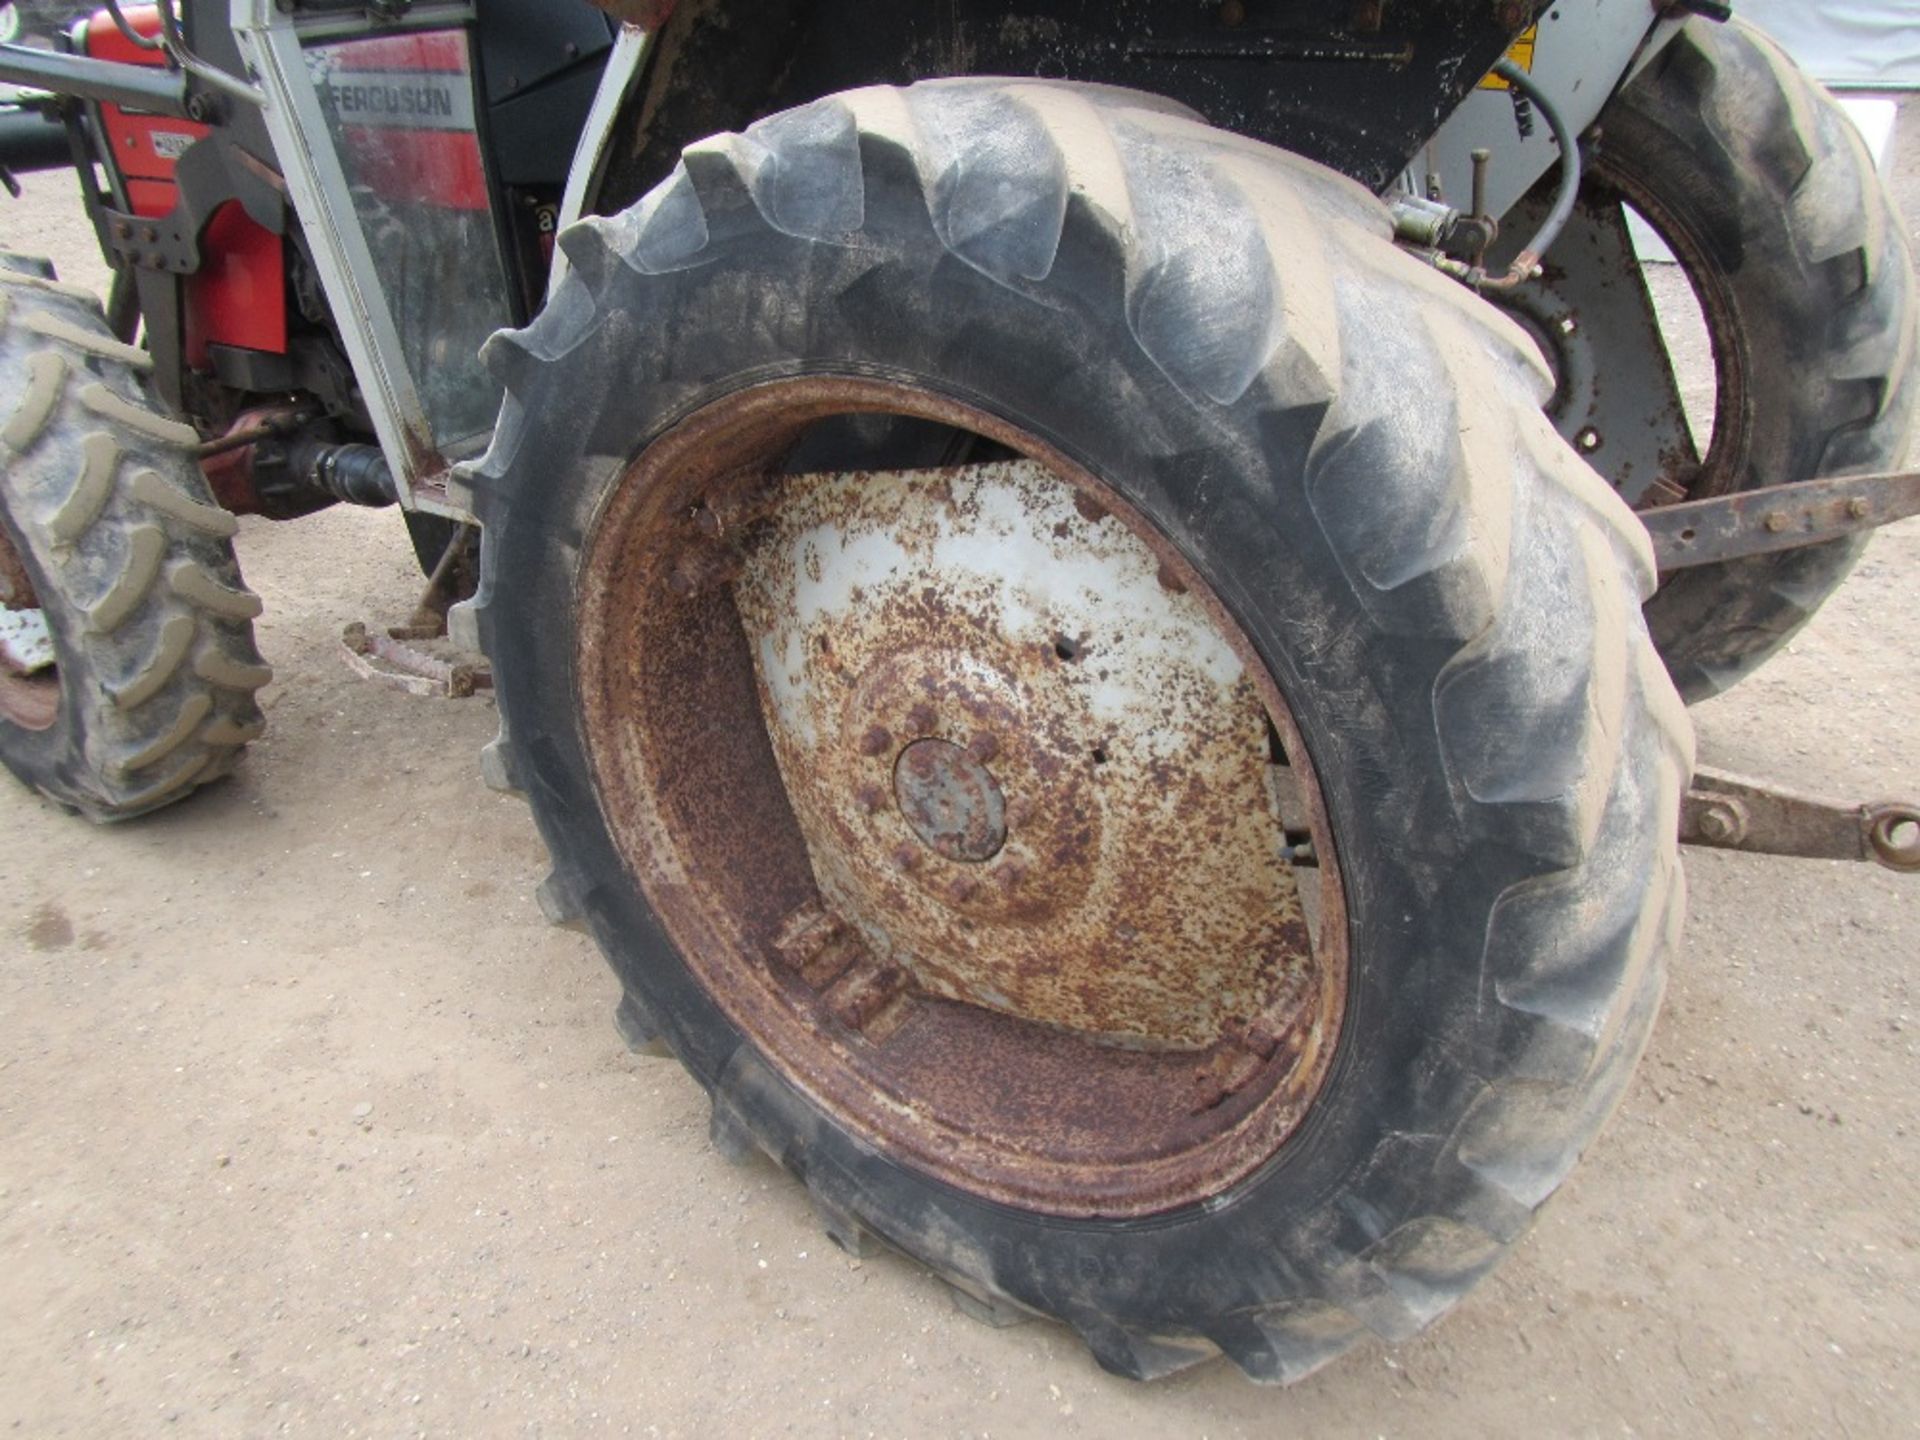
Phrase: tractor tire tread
[105,500]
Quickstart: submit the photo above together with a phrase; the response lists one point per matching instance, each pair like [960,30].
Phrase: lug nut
[1010,876]
[983,747]
[963,889]
[906,858]
[876,741]
[872,799]
[921,719]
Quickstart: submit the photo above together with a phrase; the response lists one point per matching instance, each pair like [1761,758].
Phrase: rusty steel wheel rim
[29,683]
[1053,959]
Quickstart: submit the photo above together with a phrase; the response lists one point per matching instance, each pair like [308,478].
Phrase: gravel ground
[309,1123]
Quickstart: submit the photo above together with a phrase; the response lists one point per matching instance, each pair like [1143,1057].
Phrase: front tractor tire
[128,672]
[1203,874]
[1801,267]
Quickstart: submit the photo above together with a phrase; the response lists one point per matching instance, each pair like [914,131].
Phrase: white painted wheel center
[1091,840]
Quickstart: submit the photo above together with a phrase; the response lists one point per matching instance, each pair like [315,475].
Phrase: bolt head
[1718,824]
[984,746]
[963,889]
[1777,521]
[876,741]
[872,799]
[1858,507]
[921,719]
[906,858]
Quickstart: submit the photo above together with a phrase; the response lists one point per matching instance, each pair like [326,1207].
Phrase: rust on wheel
[29,684]
[967,802]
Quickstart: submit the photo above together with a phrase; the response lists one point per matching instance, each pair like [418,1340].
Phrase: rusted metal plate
[1073,822]
[1731,812]
[1778,517]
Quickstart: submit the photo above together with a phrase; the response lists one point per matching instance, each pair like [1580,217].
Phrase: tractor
[1095,602]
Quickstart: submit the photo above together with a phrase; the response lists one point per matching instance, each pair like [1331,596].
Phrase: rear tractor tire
[128,672]
[1205,878]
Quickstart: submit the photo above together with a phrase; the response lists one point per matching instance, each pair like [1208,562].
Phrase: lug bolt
[872,799]
[983,747]
[876,741]
[906,859]
[1010,876]
[963,889]
[921,719]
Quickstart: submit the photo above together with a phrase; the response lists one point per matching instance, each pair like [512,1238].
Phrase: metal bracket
[151,242]
[411,659]
[1778,517]
[1729,812]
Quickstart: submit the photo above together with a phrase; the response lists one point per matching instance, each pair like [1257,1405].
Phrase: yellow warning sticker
[1521,54]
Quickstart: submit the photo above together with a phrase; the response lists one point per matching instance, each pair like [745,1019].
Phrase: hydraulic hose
[1528,260]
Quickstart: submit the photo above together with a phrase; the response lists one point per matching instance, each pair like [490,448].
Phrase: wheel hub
[950,800]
